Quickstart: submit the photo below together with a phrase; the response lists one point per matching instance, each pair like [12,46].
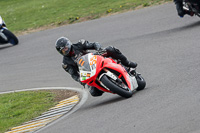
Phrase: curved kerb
[63,109]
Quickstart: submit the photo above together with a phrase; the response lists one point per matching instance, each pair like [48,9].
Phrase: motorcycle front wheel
[11,37]
[115,88]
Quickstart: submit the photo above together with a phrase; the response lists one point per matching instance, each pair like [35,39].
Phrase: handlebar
[100,52]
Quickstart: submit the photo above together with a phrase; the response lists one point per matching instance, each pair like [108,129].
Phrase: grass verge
[19,107]
[23,15]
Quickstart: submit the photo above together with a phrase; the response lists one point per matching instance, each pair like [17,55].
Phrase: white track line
[62,105]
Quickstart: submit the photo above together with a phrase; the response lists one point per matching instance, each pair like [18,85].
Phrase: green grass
[21,15]
[16,108]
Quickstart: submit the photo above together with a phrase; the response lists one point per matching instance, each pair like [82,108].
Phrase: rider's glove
[97,46]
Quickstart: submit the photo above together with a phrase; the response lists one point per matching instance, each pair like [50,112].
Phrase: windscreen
[83,63]
[87,66]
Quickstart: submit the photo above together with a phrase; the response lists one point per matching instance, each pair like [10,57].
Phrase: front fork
[119,81]
[2,35]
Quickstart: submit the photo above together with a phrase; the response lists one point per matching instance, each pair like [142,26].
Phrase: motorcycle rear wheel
[115,88]
[141,82]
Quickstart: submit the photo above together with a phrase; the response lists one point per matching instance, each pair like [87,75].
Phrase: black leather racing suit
[79,49]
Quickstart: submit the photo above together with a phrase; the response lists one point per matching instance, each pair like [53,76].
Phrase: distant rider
[72,52]
[180,10]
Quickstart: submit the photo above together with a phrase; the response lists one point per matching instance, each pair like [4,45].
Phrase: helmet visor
[65,51]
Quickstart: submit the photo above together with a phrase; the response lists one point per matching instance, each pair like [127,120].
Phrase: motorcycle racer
[72,52]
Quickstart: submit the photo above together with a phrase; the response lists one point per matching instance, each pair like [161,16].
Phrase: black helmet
[63,45]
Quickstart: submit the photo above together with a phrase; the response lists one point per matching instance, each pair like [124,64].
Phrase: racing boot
[132,68]
[132,64]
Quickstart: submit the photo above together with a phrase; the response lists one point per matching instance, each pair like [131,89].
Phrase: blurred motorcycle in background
[6,36]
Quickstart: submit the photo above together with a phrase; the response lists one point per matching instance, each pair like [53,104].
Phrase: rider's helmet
[63,45]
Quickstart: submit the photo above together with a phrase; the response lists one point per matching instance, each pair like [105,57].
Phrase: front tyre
[11,37]
[141,82]
[113,87]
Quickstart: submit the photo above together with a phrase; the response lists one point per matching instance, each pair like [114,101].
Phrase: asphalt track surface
[166,48]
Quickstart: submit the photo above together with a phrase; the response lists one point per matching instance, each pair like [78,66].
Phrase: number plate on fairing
[87,66]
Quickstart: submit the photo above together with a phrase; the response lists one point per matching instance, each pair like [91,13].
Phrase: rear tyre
[113,87]
[141,82]
[11,37]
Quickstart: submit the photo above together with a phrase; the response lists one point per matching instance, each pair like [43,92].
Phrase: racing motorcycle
[109,75]
[191,6]
[6,36]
